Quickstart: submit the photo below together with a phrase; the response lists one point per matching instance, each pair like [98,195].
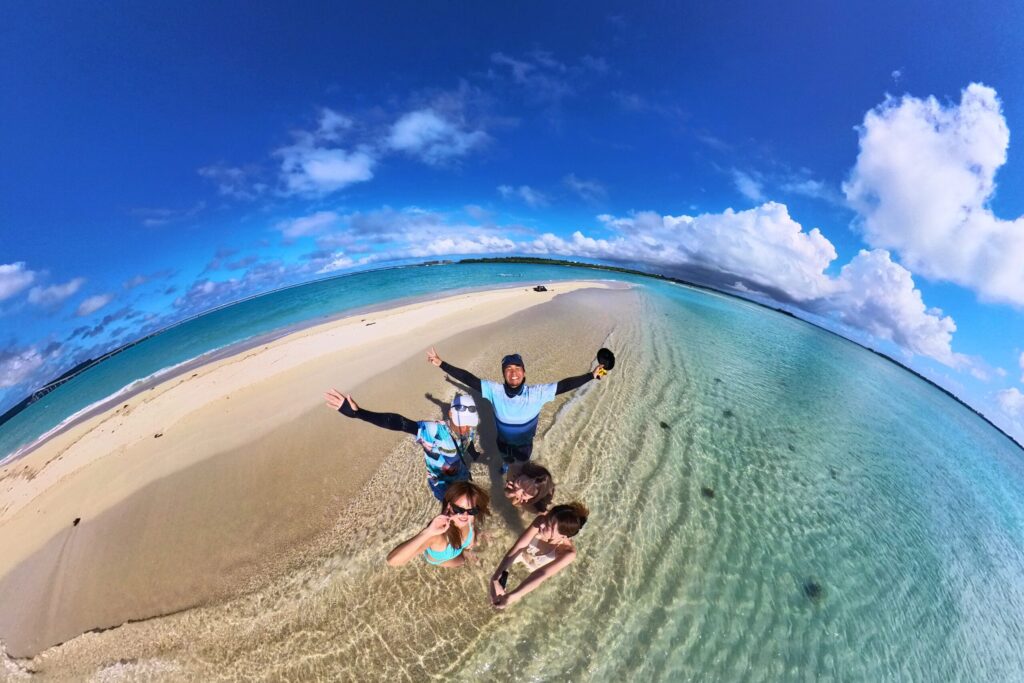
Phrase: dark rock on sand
[707,492]
[664,425]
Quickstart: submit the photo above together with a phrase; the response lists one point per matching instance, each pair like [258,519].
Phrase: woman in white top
[545,549]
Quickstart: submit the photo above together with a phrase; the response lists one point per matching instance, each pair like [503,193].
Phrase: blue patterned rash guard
[441,454]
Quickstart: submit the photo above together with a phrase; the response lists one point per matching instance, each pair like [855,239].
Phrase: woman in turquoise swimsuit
[446,539]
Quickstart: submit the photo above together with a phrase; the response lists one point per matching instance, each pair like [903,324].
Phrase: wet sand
[251,478]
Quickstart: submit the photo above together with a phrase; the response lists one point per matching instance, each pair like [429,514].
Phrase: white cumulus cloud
[336,261]
[763,244]
[748,186]
[525,193]
[432,137]
[54,294]
[315,165]
[771,251]
[93,304]
[314,224]
[18,365]
[236,182]
[319,171]
[14,277]
[544,78]
[332,124]
[404,234]
[922,184]
[879,296]
[589,190]
[1012,402]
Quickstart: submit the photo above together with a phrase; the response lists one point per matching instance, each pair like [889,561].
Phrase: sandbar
[205,485]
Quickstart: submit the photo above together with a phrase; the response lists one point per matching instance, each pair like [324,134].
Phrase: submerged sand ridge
[249,479]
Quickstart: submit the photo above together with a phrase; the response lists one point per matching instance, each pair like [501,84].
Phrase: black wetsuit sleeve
[464,376]
[392,421]
[570,383]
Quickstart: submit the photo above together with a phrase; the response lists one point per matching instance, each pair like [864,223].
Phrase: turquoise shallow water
[770,502]
[864,526]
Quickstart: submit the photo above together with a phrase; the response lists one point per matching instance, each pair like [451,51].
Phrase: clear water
[863,527]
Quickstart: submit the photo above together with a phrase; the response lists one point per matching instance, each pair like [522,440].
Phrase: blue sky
[158,160]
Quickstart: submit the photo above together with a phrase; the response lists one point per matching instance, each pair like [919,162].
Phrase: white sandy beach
[201,487]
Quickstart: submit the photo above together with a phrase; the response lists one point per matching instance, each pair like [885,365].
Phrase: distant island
[67,376]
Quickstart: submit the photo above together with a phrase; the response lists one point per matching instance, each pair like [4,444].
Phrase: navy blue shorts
[510,452]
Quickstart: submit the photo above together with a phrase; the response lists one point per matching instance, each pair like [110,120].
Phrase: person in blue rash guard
[516,404]
[445,444]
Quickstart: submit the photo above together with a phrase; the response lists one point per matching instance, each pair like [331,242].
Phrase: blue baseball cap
[512,359]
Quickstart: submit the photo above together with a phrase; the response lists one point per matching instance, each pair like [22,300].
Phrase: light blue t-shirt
[516,417]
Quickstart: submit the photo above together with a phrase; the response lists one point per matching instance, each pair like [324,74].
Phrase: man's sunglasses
[471,409]
[456,510]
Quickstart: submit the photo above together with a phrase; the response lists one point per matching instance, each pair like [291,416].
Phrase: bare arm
[535,579]
[520,545]
[524,539]
[409,549]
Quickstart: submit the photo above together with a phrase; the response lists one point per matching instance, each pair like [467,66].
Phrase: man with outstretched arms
[516,404]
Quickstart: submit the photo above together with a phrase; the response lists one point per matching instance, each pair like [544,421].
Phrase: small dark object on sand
[814,591]
[77,520]
[664,425]
[707,492]
[540,288]
[728,413]
[792,448]
[158,435]
[833,473]
[718,380]
[368,324]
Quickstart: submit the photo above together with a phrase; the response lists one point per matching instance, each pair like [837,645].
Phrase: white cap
[463,412]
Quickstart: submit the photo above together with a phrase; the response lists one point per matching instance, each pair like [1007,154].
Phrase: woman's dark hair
[481,501]
[569,517]
[542,478]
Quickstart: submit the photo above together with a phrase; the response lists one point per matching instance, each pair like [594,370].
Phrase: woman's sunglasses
[471,409]
[456,510]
